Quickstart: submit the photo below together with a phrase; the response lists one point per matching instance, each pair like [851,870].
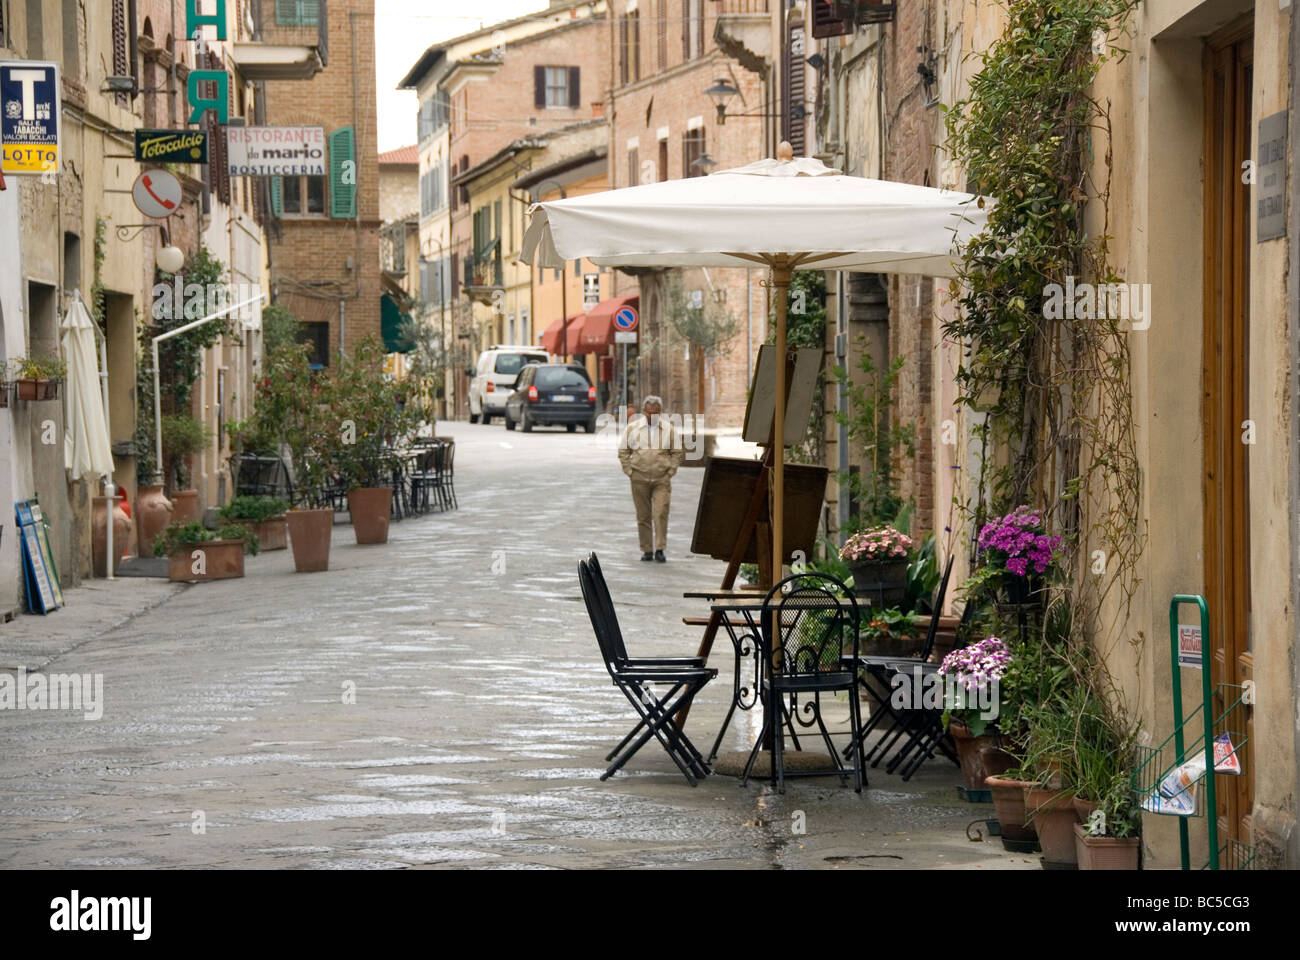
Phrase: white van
[494,378]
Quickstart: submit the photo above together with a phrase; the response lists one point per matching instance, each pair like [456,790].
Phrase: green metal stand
[1157,763]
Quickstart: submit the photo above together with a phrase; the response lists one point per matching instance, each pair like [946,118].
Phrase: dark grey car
[552,393]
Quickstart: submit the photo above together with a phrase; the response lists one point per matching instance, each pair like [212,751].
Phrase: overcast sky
[404,29]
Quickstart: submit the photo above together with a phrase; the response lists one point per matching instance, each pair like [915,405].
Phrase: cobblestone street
[482,710]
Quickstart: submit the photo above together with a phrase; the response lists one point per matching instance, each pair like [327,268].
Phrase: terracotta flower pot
[271,534]
[153,512]
[1105,853]
[28,389]
[214,560]
[370,508]
[1009,804]
[309,536]
[1083,808]
[185,506]
[99,533]
[980,757]
[1053,817]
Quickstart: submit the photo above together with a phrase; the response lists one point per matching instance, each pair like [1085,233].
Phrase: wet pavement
[437,701]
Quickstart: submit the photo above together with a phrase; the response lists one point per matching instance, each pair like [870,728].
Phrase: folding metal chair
[808,619]
[636,678]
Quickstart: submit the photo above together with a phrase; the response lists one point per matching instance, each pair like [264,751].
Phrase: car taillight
[591,393]
[490,387]
[532,394]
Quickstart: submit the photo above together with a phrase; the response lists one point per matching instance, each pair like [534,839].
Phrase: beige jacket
[649,455]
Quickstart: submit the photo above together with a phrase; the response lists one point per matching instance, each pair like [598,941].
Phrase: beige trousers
[651,501]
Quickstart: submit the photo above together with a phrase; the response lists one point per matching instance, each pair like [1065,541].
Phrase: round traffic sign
[157,193]
[626,318]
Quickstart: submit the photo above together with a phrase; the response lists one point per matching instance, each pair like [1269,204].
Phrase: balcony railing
[726,7]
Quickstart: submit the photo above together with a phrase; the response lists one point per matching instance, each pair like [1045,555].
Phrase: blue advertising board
[30,102]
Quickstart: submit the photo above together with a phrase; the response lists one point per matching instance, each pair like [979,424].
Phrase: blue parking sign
[30,103]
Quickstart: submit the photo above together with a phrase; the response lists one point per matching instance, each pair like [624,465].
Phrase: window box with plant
[197,553]
[264,516]
[38,377]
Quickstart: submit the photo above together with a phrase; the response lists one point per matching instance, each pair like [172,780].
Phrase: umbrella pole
[781,281]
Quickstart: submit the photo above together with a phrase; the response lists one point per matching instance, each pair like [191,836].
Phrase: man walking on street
[650,451]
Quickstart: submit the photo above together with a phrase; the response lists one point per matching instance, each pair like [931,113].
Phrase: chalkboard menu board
[44,593]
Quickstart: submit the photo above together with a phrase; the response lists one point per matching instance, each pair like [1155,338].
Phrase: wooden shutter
[277,197]
[539,87]
[120,65]
[455,275]
[343,196]
[575,86]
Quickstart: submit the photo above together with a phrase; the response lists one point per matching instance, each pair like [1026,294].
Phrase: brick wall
[309,260]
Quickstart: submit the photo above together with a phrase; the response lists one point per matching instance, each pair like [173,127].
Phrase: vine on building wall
[1059,432]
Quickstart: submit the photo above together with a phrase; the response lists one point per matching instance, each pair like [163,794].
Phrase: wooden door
[1228,243]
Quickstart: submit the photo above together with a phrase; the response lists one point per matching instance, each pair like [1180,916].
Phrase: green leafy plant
[254,509]
[178,537]
[366,419]
[279,327]
[806,327]
[182,437]
[38,367]
[705,325]
[874,488]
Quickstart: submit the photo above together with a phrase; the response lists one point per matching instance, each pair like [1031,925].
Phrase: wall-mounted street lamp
[723,91]
[170,258]
[705,163]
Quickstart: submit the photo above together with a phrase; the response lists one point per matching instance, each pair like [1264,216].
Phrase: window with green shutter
[343,195]
[296,13]
[277,197]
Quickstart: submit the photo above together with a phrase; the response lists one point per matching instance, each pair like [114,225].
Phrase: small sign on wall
[1270,179]
[1189,645]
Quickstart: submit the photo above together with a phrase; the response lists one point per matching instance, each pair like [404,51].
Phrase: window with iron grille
[692,29]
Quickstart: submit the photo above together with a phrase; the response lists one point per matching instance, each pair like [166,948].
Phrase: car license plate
[562,398]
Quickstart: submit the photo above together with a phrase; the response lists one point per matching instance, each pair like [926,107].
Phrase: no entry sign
[157,193]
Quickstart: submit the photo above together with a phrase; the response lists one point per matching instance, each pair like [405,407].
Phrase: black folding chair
[881,670]
[808,620]
[636,677]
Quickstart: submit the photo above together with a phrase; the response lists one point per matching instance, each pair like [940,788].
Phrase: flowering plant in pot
[972,677]
[878,560]
[1018,553]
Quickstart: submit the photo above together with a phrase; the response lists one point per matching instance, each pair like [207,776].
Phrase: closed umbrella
[785,214]
[87,450]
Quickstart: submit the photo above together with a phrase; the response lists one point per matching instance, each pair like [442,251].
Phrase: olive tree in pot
[371,422]
[289,411]
[183,436]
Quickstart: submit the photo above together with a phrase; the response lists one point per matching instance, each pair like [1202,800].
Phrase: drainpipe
[356,155]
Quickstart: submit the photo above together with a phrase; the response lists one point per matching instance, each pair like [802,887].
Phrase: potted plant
[878,561]
[1018,553]
[197,553]
[264,515]
[370,424]
[1107,834]
[183,436]
[971,684]
[37,377]
[888,633]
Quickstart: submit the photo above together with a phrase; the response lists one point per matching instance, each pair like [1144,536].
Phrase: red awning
[551,335]
[598,329]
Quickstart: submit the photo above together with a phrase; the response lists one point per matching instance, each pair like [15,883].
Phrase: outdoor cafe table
[740,613]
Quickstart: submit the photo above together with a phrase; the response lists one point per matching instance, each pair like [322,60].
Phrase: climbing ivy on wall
[1059,431]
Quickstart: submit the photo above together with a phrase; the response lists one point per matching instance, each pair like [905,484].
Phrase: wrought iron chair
[636,678]
[881,669]
[808,621]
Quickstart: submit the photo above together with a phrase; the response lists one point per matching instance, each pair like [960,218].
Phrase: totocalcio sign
[171,146]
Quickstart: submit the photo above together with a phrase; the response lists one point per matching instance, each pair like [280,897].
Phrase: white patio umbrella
[785,214]
[87,450]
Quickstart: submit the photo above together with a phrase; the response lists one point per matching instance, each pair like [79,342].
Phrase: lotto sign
[29,116]
[625,319]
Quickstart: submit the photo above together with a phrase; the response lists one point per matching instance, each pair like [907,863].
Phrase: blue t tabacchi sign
[200,104]
[29,116]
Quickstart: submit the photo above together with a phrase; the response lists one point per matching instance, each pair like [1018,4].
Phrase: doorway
[1225,378]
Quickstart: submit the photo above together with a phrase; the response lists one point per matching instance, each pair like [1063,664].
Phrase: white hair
[652,399]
